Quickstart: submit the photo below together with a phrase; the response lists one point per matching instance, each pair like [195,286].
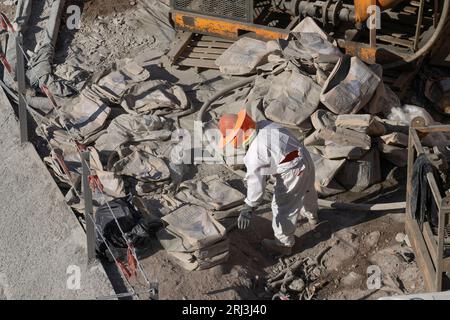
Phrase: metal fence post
[89,218]
[20,75]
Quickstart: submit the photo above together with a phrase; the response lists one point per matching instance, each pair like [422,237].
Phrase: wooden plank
[440,247]
[400,42]
[180,45]
[199,63]
[409,174]
[216,39]
[437,128]
[205,50]
[201,56]
[435,189]
[421,252]
[416,141]
[209,44]
[431,242]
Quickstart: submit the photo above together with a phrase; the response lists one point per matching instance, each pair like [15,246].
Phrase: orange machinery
[409,28]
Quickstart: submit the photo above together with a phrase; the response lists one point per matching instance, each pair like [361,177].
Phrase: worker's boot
[275,247]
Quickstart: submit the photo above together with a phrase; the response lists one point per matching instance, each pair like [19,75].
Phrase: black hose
[221,93]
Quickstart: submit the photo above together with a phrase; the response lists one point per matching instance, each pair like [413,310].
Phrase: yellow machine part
[361,7]
[224,28]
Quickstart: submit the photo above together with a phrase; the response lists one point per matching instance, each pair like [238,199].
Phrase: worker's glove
[245,217]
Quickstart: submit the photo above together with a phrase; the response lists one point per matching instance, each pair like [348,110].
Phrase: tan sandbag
[112,184]
[195,226]
[210,192]
[323,119]
[345,137]
[86,115]
[365,123]
[334,151]
[292,98]
[142,166]
[128,128]
[326,169]
[349,87]
[156,97]
[395,139]
[114,85]
[244,55]
[383,100]
[394,154]
[358,175]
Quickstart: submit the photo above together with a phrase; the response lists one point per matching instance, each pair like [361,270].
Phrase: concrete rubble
[130,114]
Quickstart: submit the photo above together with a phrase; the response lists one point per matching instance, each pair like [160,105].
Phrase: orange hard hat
[236,128]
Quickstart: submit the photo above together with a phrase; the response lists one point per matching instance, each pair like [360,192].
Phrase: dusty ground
[108,33]
[357,240]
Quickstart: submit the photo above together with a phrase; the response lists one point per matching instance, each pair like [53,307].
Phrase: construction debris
[134,118]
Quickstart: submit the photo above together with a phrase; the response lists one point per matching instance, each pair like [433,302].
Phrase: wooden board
[199,51]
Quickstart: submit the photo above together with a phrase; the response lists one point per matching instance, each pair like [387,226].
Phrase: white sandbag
[155,97]
[114,85]
[349,87]
[308,25]
[292,98]
[142,166]
[129,128]
[243,56]
[86,116]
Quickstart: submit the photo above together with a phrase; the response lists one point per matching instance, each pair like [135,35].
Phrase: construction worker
[273,150]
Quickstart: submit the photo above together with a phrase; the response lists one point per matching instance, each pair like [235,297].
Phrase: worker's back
[271,146]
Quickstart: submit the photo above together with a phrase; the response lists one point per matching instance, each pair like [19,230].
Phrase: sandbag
[365,123]
[345,137]
[243,56]
[86,116]
[323,119]
[115,84]
[129,128]
[395,139]
[326,169]
[334,151]
[358,175]
[195,239]
[292,98]
[142,166]
[155,97]
[210,192]
[394,154]
[349,87]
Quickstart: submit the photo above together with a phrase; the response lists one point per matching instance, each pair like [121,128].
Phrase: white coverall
[294,189]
